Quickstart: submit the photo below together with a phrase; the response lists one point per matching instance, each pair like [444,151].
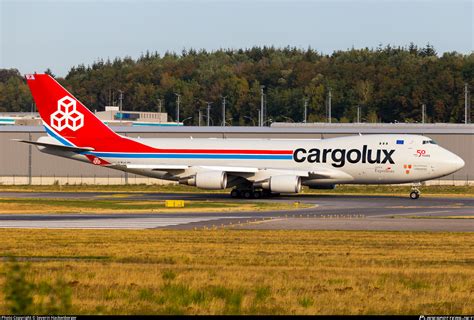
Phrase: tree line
[388,84]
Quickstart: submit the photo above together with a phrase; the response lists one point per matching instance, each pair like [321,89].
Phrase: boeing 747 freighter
[253,168]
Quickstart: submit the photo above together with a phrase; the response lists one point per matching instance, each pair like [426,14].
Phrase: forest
[388,84]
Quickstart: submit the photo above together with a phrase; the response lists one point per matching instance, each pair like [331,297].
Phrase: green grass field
[246,272]
[341,189]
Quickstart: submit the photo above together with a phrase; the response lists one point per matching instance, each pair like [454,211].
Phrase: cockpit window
[429,142]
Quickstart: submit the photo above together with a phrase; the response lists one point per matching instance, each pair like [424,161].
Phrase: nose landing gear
[415,193]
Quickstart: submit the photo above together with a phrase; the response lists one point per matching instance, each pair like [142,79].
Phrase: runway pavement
[333,212]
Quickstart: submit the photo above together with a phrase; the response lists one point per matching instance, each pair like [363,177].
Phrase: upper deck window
[429,142]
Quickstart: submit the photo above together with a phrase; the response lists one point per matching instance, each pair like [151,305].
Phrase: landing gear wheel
[266,193]
[415,194]
[235,193]
[247,194]
[257,194]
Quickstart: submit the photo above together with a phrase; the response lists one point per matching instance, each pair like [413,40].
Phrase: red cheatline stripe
[224,151]
[130,146]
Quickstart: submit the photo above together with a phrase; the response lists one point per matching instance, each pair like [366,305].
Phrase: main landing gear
[250,193]
[415,193]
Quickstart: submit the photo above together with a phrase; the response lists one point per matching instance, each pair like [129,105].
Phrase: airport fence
[81,180]
[452,180]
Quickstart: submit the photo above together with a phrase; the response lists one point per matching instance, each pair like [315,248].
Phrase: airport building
[112,116]
[20,119]
[23,164]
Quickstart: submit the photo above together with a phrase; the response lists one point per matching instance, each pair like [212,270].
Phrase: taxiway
[331,212]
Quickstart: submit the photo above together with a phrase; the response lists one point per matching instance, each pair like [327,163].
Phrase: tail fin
[66,118]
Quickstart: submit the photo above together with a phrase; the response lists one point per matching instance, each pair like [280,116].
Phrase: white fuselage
[364,159]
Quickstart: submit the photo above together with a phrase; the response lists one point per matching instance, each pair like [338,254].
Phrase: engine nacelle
[212,180]
[283,183]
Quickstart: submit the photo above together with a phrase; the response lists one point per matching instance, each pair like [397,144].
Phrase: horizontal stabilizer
[56,146]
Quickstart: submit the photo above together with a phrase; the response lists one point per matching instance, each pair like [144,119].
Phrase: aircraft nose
[455,162]
[459,163]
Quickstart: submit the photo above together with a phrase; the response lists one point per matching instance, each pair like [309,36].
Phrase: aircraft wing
[166,167]
[318,173]
[249,173]
[157,167]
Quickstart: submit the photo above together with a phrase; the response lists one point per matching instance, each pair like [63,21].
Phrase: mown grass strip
[38,205]
[340,189]
[51,258]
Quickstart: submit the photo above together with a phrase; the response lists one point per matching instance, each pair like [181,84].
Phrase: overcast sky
[36,35]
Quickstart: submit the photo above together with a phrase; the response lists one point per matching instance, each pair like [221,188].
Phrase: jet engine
[283,183]
[211,180]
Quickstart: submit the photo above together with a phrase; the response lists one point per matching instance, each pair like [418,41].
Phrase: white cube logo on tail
[67,116]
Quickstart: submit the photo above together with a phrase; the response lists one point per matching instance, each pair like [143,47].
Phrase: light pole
[261,106]
[467,114]
[120,100]
[223,111]
[200,116]
[329,105]
[159,105]
[251,119]
[305,115]
[358,114]
[120,110]
[208,111]
[177,107]
[423,112]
